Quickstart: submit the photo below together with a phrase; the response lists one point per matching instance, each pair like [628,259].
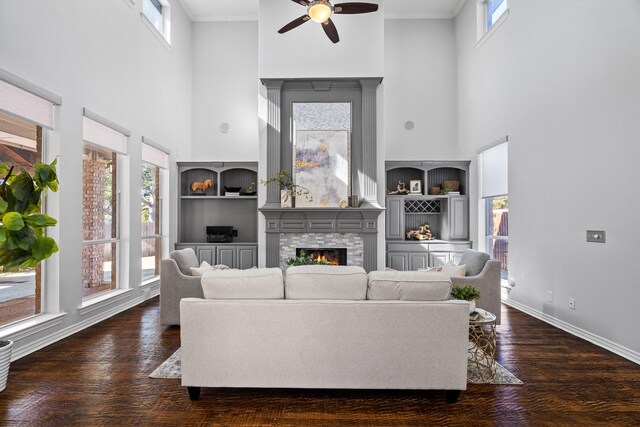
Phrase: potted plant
[23,243]
[288,188]
[467,293]
[305,259]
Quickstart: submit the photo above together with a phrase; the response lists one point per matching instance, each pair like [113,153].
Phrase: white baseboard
[580,333]
[24,350]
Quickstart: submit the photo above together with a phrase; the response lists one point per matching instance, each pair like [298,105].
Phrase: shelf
[219,197]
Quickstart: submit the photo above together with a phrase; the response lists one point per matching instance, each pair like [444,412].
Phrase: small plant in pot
[288,188]
[23,243]
[467,293]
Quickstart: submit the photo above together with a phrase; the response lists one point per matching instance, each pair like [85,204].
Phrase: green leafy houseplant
[23,243]
[304,259]
[286,182]
[466,292]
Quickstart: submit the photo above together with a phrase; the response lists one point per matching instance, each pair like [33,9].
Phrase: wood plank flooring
[100,377]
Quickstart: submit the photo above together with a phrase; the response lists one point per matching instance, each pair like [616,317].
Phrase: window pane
[150,260]
[99,219]
[150,194]
[497,231]
[20,292]
[98,268]
[152,9]
[495,9]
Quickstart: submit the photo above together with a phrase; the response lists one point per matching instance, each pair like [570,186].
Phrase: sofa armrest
[488,283]
[173,287]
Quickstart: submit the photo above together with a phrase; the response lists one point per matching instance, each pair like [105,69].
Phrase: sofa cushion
[408,286]
[185,258]
[453,270]
[254,283]
[474,261]
[326,282]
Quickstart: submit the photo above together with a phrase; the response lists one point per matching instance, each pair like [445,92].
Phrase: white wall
[307,52]
[420,83]
[561,79]
[99,55]
[225,82]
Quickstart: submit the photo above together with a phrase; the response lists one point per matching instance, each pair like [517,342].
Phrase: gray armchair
[176,282]
[483,274]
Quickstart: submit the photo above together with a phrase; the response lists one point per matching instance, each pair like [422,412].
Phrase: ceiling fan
[320,11]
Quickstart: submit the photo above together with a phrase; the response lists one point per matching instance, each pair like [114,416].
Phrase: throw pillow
[204,267]
[185,258]
[452,270]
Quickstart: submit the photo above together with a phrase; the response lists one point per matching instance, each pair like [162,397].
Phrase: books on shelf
[232,194]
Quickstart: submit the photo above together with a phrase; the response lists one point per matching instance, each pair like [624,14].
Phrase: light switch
[596,236]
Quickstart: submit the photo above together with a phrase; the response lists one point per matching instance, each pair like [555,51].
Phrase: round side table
[482,346]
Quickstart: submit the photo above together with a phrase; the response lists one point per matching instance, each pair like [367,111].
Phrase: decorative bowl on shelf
[232,189]
[249,193]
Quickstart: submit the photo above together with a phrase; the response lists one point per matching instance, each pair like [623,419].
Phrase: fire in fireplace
[333,256]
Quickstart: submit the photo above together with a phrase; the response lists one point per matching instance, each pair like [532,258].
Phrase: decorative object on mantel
[199,188]
[422,233]
[320,11]
[343,203]
[451,185]
[400,189]
[467,293]
[288,188]
[354,201]
[434,191]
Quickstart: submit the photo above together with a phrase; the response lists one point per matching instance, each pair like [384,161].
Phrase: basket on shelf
[434,191]
[451,185]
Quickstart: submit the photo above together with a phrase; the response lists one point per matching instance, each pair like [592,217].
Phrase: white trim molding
[578,332]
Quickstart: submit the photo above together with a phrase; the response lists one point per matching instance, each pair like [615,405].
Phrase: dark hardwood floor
[100,377]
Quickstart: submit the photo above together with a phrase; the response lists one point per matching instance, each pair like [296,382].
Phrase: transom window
[158,13]
[495,9]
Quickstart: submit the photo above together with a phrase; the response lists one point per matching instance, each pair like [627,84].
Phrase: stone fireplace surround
[284,225]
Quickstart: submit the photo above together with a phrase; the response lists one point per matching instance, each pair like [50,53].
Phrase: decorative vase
[286,198]
[5,360]
[472,306]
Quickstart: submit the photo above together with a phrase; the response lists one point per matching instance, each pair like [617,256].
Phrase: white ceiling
[247,10]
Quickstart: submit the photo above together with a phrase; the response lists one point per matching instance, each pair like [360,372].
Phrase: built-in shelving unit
[446,214]
[213,207]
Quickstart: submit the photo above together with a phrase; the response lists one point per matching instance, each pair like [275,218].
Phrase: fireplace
[334,256]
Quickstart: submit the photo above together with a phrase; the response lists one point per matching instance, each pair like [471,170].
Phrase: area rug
[171,368]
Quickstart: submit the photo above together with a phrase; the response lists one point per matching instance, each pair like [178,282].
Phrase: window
[158,14]
[490,15]
[494,10]
[26,114]
[494,193]
[103,146]
[154,161]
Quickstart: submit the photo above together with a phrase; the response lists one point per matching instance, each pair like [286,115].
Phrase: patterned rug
[171,368]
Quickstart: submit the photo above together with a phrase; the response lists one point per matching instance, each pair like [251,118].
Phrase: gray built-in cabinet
[446,214]
[213,207]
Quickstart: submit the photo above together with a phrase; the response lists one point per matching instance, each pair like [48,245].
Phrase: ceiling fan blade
[302,2]
[330,30]
[352,8]
[293,24]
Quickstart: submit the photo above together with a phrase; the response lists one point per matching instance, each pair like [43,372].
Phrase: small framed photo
[415,186]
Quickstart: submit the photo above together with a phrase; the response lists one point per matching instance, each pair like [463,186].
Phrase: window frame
[159,236]
[164,32]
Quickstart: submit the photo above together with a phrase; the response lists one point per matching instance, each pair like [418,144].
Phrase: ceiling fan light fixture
[319,11]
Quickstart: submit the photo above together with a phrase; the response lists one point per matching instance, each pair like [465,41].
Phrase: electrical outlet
[572,303]
[549,296]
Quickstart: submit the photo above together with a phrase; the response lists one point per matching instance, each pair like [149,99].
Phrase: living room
[558,78]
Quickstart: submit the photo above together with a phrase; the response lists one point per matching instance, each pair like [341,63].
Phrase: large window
[103,145]
[151,226]
[494,189]
[20,292]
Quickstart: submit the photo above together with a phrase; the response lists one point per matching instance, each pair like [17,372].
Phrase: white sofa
[321,331]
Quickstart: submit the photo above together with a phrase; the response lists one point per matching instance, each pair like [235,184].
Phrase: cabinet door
[418,261]
[227,255]
[206,253]
[458,217]
[395,218]
[398,261]
[438,258]
[247,257]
